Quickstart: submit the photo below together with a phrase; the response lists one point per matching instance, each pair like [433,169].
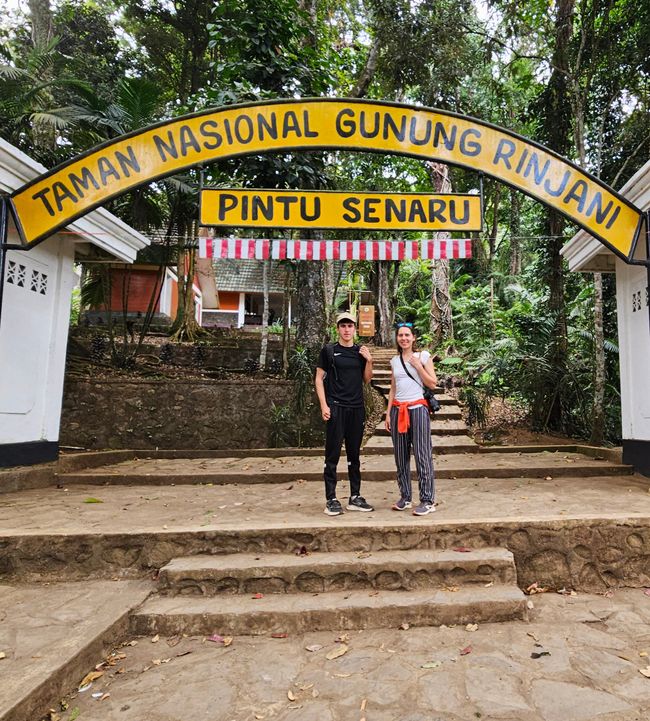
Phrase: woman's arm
[391,397]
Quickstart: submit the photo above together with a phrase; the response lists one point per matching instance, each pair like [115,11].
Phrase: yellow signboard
[72,189]
[314,209]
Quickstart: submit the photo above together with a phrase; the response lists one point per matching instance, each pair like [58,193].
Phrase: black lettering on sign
[370,210]
[309,133]
[364,126]
[267,126]
[128,162]
[208,130]
[437,208]
[106,170]
[41,196]
[577,192]
[556,192]
[597,205]
[258,208]
[505,150]
[345,128]
[188,140]
[244,134]
[287,201]
[454,217]
[227,202]
[393,212]
[413,137]
[353,215]
[417,212]
[315,213]
[533,165]
[440,132]
[291,125]
[391,127]
[83,182]
[61,192]
[470,147]
[166,149]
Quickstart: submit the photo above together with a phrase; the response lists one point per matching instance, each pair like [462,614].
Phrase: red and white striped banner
[243,248]
[447,248]
[240,248]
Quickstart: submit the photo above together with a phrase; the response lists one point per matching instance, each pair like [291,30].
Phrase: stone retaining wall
[590,555]
[175,414]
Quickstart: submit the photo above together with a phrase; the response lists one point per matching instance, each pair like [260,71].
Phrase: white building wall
[33,339]
[634,341]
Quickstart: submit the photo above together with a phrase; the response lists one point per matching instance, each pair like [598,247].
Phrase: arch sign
[87,181]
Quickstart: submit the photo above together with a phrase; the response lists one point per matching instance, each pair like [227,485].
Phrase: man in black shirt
[342,369]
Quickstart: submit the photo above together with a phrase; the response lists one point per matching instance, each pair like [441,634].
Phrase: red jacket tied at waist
[403,419]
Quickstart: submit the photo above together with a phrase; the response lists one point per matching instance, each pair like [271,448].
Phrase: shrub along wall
[170,413]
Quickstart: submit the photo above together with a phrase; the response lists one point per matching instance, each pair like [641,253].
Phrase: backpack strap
[330,359]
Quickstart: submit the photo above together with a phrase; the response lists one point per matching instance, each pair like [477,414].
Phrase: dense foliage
[572,74]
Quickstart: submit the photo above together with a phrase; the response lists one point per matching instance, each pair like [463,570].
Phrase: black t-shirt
[344,383]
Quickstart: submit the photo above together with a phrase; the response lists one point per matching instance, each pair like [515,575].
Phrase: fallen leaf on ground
[342,675]
[489,585]
[279,635]
[539,654]
[404,627]
[566,592]
[548,478]
[52,715]
[643,654]
[257,595]
[155,639]
[313,648]
[343,638]
[431,664]
[91,499]
[535,588]
[645,671]
[532,635]
[336,652]
[471,627]
[291,695]
[90,677]
[466,650]
[173,641]
[156,662]
[2,655]
[364,554]
[646,592]
[315,693]
[363,704]
[451,589]
[462,549]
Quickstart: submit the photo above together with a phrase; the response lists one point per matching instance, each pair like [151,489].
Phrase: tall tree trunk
[266,279]
[387,279]
[42,20]
[598,413]
[515,232]
[286,330]
[311,327]
[185,327]
[557,129]
[441,324]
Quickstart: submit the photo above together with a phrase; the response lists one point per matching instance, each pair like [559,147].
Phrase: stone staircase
[243,594]
[449,431]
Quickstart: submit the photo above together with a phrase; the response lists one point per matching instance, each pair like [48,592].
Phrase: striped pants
[418,436]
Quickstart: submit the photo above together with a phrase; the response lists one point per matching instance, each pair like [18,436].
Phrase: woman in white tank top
[408,421]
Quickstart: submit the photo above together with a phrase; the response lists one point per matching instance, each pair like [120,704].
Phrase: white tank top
[405,388]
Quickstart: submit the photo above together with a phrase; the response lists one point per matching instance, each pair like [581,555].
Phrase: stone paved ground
[593,649]
[300,504]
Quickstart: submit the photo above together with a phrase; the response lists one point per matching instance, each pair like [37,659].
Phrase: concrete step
[383,445]
[446,413]
[341,610]
[374,467]
[440,425]
[246,573]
